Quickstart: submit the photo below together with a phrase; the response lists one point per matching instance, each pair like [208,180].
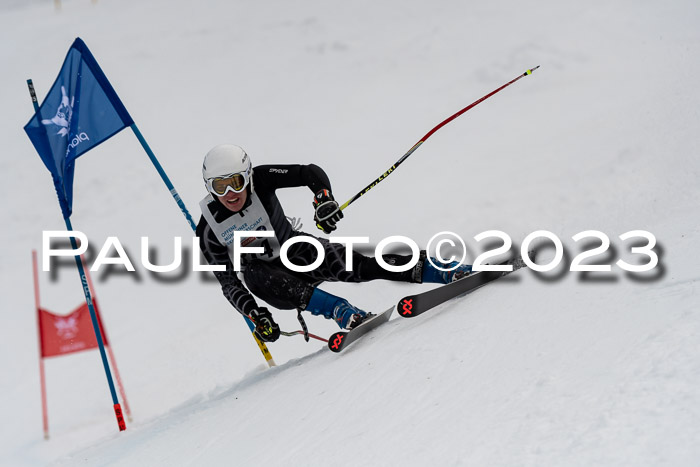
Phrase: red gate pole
[42,377]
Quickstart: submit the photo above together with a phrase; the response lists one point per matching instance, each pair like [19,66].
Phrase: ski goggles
[235,182]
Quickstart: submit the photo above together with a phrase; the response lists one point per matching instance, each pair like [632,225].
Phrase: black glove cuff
[260,312]
[323,196]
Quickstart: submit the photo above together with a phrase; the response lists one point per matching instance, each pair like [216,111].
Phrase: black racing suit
[271,280]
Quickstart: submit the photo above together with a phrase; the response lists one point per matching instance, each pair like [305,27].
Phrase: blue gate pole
[186,213]
[96,328]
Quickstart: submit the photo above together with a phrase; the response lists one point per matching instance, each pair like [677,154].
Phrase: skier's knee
[256,275]
[276,286]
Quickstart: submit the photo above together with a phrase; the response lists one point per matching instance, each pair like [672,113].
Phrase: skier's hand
[328,212]
[265,327]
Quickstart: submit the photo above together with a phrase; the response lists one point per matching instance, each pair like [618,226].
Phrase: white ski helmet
[221,163]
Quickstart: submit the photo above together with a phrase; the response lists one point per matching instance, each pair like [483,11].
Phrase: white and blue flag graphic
[80,111]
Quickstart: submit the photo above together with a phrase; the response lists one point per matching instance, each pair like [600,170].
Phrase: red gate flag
[62,335]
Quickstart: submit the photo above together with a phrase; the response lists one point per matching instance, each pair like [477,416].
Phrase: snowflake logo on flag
[64,113]
[67,328]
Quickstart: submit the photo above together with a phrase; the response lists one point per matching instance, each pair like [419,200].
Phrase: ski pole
[294,333]
[428,135]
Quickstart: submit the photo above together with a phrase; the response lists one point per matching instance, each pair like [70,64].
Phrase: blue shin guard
[433,275]
[335,308]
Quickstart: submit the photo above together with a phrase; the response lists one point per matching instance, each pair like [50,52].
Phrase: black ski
[339,340]
[414,305]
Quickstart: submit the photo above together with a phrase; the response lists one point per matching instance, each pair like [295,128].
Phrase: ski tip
[336,341]
[529,72]
[405,307]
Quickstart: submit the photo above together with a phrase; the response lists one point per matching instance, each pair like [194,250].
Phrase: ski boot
[336,308]
[432,275]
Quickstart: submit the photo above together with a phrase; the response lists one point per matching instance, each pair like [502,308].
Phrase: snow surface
[602,369]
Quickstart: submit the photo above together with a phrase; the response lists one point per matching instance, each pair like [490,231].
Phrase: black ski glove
[265,327]
[328,212]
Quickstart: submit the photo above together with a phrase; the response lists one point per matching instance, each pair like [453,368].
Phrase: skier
[244,198]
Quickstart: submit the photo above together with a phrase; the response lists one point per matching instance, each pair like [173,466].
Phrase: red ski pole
[428,135]
[294,333]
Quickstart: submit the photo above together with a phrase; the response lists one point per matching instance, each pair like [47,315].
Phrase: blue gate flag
[80,111]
